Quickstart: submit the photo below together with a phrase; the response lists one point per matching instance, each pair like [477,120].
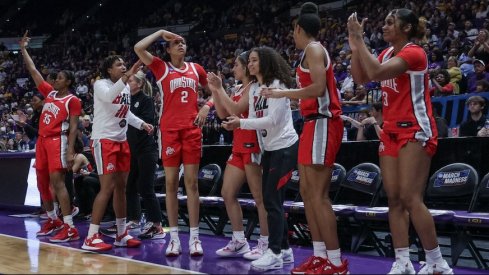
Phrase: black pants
[277,170]
[69,186]
[141,183]
[87,188]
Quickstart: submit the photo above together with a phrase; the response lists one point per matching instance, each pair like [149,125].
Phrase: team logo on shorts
[169,151]
[136,104]
[110,167]
[123,123]
[263,132]
[381,147]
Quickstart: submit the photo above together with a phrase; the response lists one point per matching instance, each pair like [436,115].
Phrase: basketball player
[55,146]
[273,120]
[409,137]
[319,142]
[180,122]
[243,164]
[111,150]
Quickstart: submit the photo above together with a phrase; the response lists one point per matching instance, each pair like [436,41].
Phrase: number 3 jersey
[56,112]
[112,102]
[179,93]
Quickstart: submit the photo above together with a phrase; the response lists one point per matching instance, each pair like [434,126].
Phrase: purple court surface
[153,251]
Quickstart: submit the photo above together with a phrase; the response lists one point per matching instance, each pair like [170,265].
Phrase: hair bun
[309,7]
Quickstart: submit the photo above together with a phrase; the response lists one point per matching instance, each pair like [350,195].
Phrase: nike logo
[70,234]
[238,248]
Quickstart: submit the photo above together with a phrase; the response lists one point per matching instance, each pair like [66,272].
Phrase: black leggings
[277,170]
[141,182]
[87,188]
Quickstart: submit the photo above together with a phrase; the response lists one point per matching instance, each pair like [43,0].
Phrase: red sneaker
[50,226]
[329,268]
[95,243]
[310,263]
[126,240]
[65,235]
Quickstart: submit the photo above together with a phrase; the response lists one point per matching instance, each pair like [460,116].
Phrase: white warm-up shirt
[112,102]
[271,117]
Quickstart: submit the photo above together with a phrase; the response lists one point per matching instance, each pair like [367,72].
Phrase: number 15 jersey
[179,93]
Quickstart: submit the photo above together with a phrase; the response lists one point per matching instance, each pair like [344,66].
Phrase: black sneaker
[110,231]
[150,231]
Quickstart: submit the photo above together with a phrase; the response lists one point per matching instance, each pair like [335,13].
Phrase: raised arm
[141,47]
[371,68]
[224,105]
[35,74]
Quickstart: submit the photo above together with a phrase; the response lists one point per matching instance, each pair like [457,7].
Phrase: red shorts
[111,156]
[181,146]
[241,159]
[391,144]
[320,141]
[51,153]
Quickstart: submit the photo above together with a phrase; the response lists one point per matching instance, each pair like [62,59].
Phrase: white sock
[319,249]
[52,215]
[174,233]
[121,225]
[92,230]
[434,256]
[264,239]
[56,206]
[239,236]
[402,255]
[194,233]
[334,256]
[68,219]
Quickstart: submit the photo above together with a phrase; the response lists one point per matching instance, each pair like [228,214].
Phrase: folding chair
[360,187]
[450,190]
[473,225]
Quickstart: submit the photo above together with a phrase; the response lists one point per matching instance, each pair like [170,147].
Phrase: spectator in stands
[319,142]
[436,60]
[455,73]
[86,129]
[441,84]
[347,82]
[371,126]
[479,74]
[441,123]
[111,150]
[55,151]
[144,156]
[180,129]
[243,164]
[273,119]
[405,163]
[469,31]
[482,86]
[475,122]
[480,50]
[360,97]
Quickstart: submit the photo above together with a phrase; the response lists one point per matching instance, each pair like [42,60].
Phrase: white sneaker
[174,248]
[257,251]
[195,247]
[288,256]
[399,268]
[234,248]
[435,269]
[268,261]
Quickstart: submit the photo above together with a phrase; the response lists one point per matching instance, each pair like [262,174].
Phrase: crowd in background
[457,47]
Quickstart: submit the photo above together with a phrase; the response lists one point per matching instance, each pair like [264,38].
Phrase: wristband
[210,104]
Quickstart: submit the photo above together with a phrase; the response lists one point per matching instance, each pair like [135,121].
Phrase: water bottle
[345,134]
[221,139]
[142,221]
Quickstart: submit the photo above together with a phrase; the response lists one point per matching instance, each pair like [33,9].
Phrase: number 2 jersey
[112,102]
[179,93]
[406,98]
[56,111]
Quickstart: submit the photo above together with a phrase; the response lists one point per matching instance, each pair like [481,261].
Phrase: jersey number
[384,97]
[184,97]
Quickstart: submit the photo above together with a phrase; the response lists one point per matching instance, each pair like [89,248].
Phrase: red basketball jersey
[329,103]
[244,141]
[56,112]
[179,93]
[406,98]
